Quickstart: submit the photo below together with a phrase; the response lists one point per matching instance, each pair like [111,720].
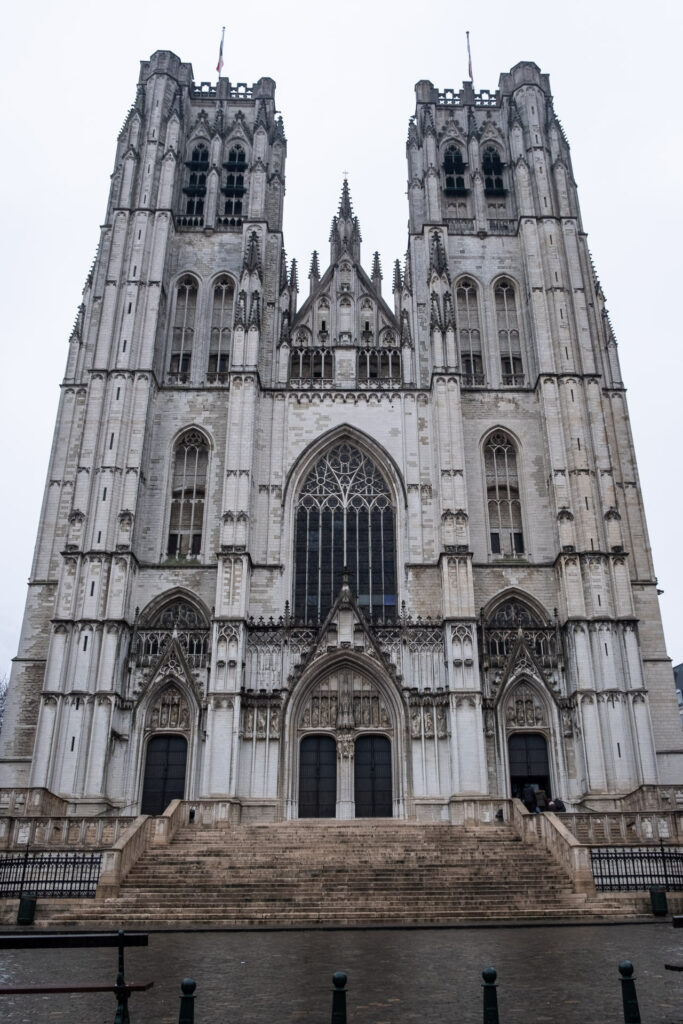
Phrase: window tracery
[502,489]
[492,166]
[234,188]
[195,189]
[469,333]
[221,327]
[454,172]
[344,521]
[378,367]
[190,465]
[509,344]
[310,367]
[183,331]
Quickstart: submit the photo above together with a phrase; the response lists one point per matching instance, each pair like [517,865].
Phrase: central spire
[345,205]
[345,234]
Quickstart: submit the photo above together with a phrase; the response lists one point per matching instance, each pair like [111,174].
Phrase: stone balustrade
[61,832]
[599,828]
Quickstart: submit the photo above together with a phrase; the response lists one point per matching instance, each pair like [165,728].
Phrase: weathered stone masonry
[271,527]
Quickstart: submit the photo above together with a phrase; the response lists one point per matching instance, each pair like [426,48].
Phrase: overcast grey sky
[345,78]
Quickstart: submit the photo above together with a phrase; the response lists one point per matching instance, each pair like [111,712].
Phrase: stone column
[346,801]
[43,747]
[592,741]
[99,745]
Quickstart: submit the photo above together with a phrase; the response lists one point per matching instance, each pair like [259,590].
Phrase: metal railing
[634,868]
[50,874]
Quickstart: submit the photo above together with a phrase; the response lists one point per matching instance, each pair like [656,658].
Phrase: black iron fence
[630,868]
[50,874]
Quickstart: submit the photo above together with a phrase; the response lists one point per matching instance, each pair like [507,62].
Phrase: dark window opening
[492,167]
[454,172]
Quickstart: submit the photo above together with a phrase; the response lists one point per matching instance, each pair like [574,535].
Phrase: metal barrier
[188,986]
[633,868]
[50,874]
[88,940]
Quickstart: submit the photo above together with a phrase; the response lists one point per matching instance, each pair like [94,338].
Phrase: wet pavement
[548,974]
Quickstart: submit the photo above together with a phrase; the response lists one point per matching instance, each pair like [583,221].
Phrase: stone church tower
[364,555]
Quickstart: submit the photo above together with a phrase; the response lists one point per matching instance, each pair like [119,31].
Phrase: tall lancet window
[195,189]
[235,188]
[183,331]
[344,518]
[469,333]
[509,344]
[221,326]
[188,492]
[502,490]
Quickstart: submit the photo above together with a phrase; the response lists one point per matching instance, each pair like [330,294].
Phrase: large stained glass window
[344,520]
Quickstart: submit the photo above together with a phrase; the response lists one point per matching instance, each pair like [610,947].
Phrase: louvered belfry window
[344,519]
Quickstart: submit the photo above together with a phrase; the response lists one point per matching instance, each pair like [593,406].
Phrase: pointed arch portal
[164,773]
[528,762]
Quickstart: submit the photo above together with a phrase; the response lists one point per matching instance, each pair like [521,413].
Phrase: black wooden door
[164,773]
[372,771]
[318,777]
[528,762]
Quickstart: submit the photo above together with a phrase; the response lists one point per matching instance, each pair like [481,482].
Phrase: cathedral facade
[361,555]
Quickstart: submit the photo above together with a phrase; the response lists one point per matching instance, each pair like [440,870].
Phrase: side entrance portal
[318,777]
[164,773]
[528,762]
[372,777]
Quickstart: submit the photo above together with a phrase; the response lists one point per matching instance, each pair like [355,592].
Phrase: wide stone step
[332,873]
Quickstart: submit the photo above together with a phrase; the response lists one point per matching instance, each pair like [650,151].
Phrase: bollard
[339,998]
[628,993]
[121,990]
[490,996]
[187,987]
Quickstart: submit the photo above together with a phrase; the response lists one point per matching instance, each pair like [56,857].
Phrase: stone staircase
[360,873]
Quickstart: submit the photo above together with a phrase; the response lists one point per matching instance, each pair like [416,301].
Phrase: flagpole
[219,66]
[469,59]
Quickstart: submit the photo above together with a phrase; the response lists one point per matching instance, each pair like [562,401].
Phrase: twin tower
[361,555]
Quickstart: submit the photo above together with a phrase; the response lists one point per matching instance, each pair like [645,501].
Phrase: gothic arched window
[183,331]
[234,188]
[502,492]
[344,520]
[492,166]
[195,189]
[221,326]
[469,333]
[454,172]
[509,344]
[188,492]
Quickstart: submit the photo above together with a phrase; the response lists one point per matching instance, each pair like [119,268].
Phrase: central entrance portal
[318,777]
[372,777]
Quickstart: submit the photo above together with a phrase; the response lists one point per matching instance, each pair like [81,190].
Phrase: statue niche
[170,710]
